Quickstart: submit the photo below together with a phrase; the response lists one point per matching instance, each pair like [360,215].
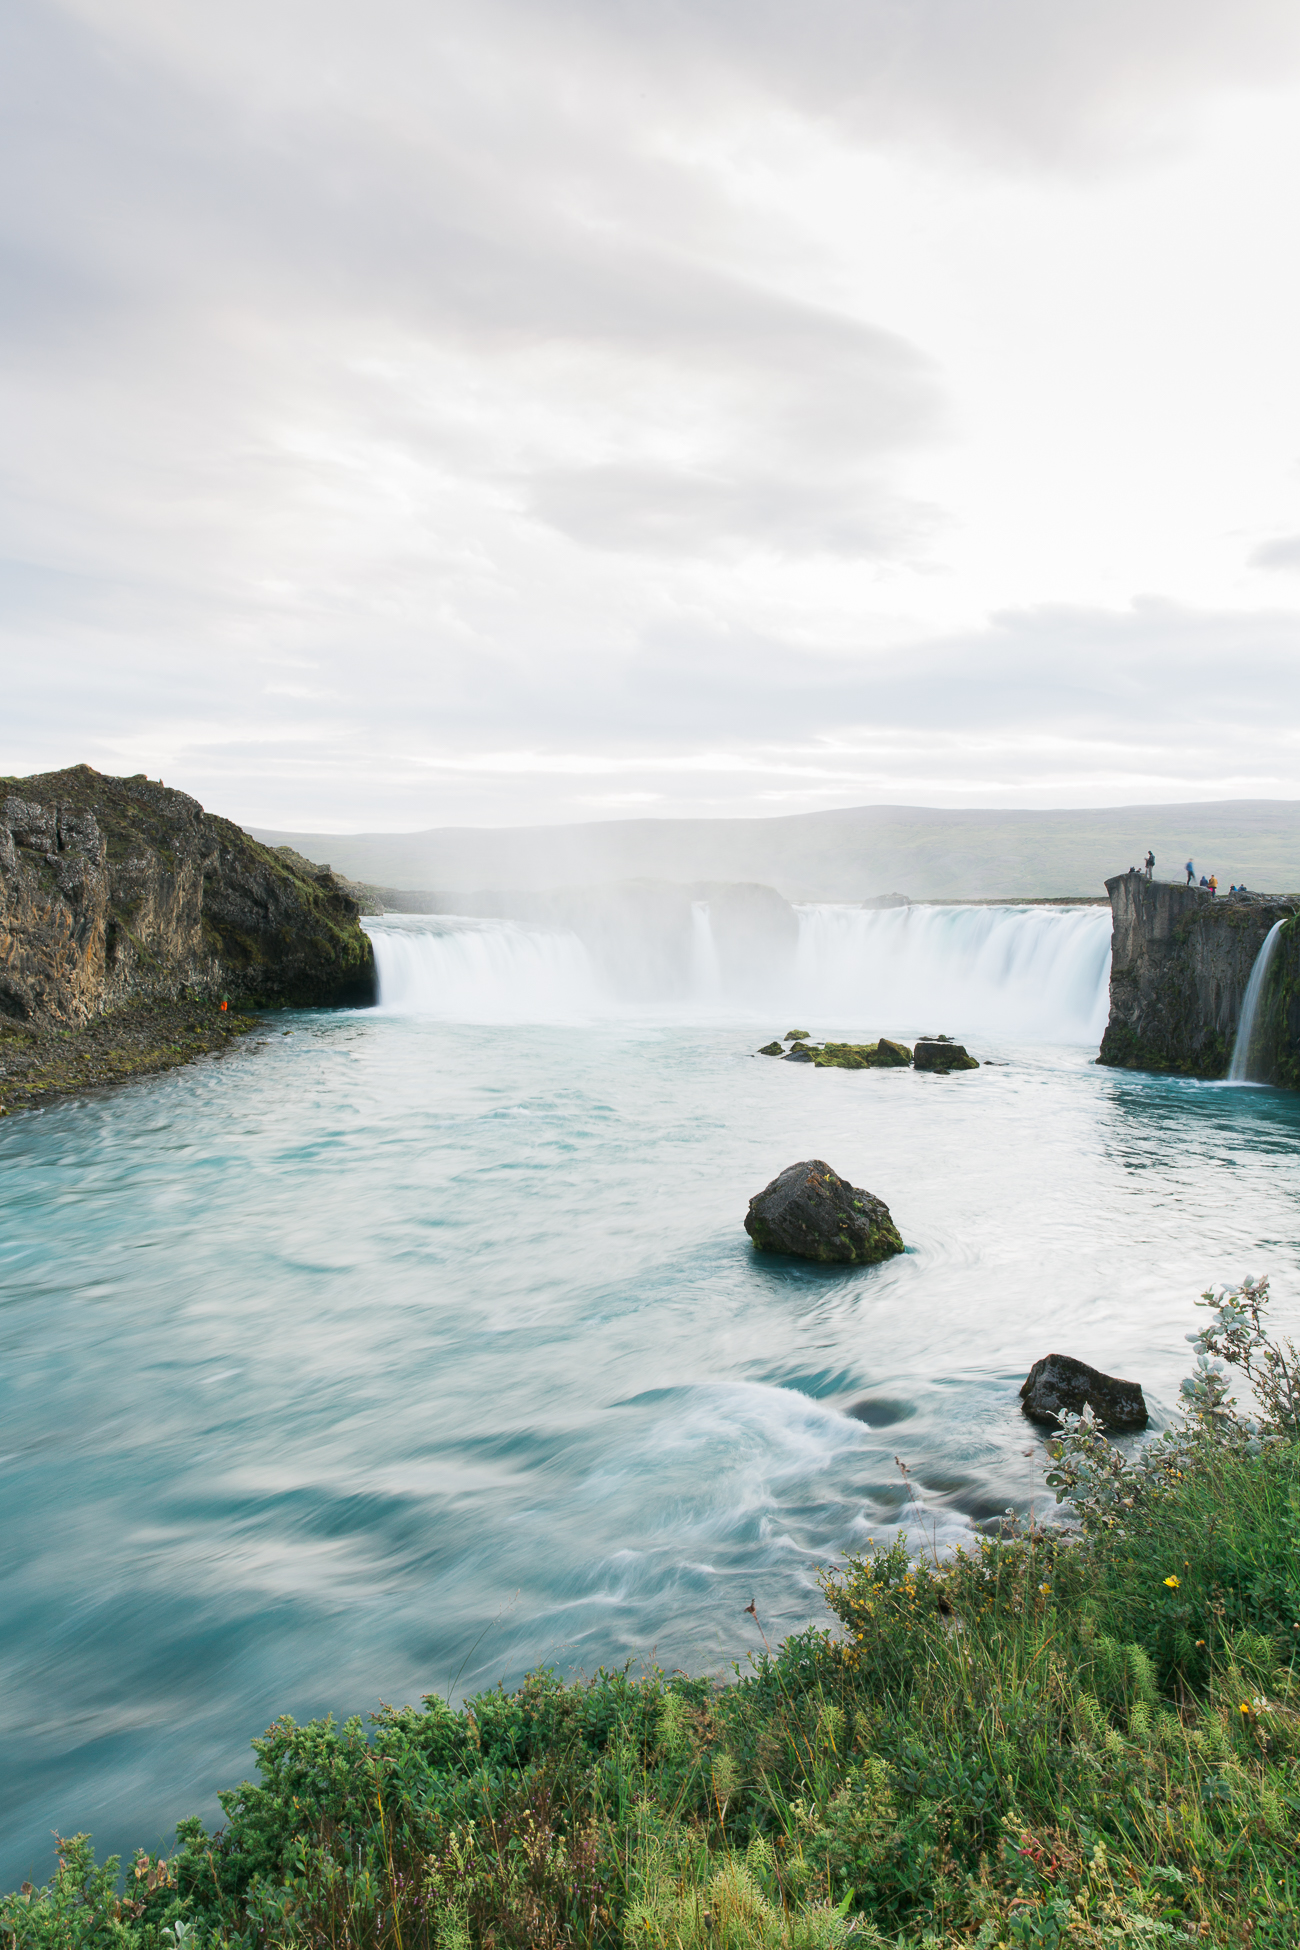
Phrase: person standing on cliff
[1214,883]
[1191,874]
[1151,863]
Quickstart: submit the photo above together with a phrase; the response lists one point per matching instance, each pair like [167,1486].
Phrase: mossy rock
[942,1057]
[808,1210]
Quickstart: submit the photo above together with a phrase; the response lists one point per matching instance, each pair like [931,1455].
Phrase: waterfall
[706,971]
[1030,974]
[467,970]
[1239,1067]
[1020,974]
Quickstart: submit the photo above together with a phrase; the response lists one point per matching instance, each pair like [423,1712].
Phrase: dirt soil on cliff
[40,1065]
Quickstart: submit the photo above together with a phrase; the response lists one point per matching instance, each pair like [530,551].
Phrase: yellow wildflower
[1173,1583]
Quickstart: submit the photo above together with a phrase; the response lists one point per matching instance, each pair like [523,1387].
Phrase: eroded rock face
[118,890]
[1059,1384]
[810,1211]
[1180,963]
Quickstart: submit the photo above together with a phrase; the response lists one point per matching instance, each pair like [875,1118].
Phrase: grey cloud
[196,243]
[303,310]
[1282,553]
[1013,80]
[673,511]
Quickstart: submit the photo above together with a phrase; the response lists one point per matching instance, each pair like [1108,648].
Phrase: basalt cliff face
[117,891]
[1180,962]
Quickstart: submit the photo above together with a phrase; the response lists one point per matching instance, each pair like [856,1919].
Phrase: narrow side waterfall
[1239,1069]
[706,970]
[1020,974]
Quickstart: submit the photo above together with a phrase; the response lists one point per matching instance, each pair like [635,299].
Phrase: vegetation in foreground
[1049,1741]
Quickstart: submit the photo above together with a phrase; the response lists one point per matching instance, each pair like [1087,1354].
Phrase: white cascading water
[1239,1067]
[1030,974]
[466,970]
[1023,974]
[706,970]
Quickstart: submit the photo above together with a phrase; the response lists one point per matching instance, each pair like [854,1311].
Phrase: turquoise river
[402,1351]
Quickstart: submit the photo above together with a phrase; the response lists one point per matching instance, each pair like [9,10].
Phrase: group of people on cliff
[1211,884]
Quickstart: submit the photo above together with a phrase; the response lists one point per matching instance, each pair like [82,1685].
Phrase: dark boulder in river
[1059,1384]
[941,1054]
[810,1211]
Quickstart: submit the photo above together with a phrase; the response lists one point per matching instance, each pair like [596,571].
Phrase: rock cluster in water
[810,1211]
[1059,1385]
[937,1053]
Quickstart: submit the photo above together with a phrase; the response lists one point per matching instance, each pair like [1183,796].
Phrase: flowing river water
[404,1350]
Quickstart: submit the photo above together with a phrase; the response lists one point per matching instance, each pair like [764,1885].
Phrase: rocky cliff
[117,891]
[1180,962]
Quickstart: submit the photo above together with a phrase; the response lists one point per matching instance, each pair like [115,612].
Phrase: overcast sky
[550,409]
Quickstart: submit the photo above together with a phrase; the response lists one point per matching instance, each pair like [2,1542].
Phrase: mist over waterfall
[1033,974]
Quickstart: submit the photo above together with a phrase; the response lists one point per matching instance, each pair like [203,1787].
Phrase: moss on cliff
[1123,1049]
[1277,1037]
[153,895]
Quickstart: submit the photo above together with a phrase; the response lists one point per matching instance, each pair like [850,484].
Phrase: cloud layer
[543,411]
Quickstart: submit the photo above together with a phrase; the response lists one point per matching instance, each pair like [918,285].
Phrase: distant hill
[852,855]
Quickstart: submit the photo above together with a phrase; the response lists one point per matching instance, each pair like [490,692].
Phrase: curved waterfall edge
[1015,974]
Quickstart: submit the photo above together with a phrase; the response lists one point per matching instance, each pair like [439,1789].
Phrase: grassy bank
[1091,1740]
[41,1064]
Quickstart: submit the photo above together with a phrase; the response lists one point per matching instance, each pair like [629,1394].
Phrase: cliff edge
[1180,962]
[119,892]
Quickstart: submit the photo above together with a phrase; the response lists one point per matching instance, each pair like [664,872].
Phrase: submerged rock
[809,1210]
[941,1054]
[1058,1383]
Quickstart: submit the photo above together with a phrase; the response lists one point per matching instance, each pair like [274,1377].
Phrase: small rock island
[810,1211]
[936,1053]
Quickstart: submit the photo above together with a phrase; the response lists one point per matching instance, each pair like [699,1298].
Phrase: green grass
[1045,1742]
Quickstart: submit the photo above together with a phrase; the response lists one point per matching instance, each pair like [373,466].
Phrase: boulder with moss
[941,1055]
[813,1213]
